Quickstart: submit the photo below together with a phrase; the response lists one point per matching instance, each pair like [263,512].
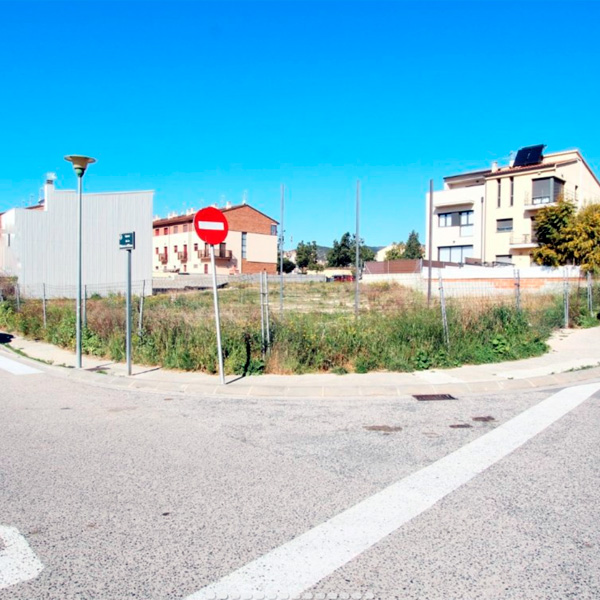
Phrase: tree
[306,256]
[582,238]
[568,237]
[343,253]
[396,251]
[288,265]
[413,247]
[551,226]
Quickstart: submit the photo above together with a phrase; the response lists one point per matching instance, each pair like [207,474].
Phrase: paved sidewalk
[574,356]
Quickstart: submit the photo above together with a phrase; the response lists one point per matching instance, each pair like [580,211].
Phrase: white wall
[43,246]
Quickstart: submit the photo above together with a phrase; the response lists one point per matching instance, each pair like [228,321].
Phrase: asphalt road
[122,494]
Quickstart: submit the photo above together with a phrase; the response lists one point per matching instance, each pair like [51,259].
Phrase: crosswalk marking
[299,564]
[16,368]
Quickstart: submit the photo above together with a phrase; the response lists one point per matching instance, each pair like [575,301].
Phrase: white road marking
[210,225]
[18,562]
[16,368]
[301,563]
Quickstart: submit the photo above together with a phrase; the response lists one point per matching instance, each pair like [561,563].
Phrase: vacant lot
[396,330]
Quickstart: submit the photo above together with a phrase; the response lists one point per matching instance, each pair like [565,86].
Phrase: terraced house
[250,246]
[489,215]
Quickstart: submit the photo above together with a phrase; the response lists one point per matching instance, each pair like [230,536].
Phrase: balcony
[163,258]
[523,240]
[458,197]
[220,255]
[183,257]
[537,203]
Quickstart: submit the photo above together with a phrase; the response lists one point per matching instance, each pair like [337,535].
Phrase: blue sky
[204,102]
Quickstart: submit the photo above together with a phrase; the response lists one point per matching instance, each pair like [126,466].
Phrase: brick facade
[249,267]
[248,219]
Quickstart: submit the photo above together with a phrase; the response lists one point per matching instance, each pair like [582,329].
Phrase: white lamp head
[80,163]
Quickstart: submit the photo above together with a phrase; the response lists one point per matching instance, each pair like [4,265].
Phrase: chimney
[48,187]
[494,166]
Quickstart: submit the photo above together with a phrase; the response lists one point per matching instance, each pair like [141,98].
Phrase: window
[504,225]
[176,229]
[273,229]
[504,258]
[546,190]
[157,231]
[512,191]
[195,247]
[244,236]
[222,250]
[466,223]
[445,220]
[455,254]
[499,192]
[156,251]
[175,249]
[166,231]
[185,228]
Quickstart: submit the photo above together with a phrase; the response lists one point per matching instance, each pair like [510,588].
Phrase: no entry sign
[211,225]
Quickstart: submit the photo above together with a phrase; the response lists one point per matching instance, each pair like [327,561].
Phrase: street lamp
[80,164]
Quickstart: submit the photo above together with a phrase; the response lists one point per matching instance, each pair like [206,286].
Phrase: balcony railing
[523,239]
[182,256]
[204,254]
[163,258]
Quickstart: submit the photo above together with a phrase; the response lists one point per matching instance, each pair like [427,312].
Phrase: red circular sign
[211,225]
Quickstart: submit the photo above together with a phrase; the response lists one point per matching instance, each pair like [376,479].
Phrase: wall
[43,246]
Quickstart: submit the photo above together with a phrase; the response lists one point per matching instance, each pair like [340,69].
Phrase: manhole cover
[427,397]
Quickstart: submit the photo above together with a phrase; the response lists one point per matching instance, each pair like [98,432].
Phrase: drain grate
[461,426]
[427,397]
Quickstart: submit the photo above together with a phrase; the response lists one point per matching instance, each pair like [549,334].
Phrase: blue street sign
[127,241]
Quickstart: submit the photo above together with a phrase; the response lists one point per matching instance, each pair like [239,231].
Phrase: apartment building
[489,215]
[250,246]
[38,244]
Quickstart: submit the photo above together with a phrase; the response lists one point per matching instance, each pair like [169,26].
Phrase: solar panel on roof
[530,155]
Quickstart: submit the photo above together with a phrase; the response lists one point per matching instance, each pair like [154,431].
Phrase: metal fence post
[44,302]
[18,293]
[85,305]
[141,321]
[262,314]
[267,309]
[590,295]
[566,298]
[443,306]
[518,289]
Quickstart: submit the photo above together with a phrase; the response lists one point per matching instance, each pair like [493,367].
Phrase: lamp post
[80,164]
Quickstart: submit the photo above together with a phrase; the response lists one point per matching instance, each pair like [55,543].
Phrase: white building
[38,245]
[489,215]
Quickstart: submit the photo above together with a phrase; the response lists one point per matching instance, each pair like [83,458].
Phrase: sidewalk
[574,357]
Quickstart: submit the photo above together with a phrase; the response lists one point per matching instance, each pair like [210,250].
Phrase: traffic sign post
[127,242]
[212,227]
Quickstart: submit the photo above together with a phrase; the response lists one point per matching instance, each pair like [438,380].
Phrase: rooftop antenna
[245,197]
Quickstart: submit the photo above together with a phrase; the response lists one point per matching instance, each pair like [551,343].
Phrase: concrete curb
[179,383]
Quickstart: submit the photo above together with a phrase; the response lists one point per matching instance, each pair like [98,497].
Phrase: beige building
[250,246]
[489,215]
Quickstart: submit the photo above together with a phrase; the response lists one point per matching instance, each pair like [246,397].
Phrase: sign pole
[128,313]
[217,318]
[127,242]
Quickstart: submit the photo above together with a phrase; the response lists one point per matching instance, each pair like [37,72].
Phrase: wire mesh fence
[311,324]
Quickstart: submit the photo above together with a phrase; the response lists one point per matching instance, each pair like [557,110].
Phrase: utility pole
[281,254]
[430,250]
[356,270]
